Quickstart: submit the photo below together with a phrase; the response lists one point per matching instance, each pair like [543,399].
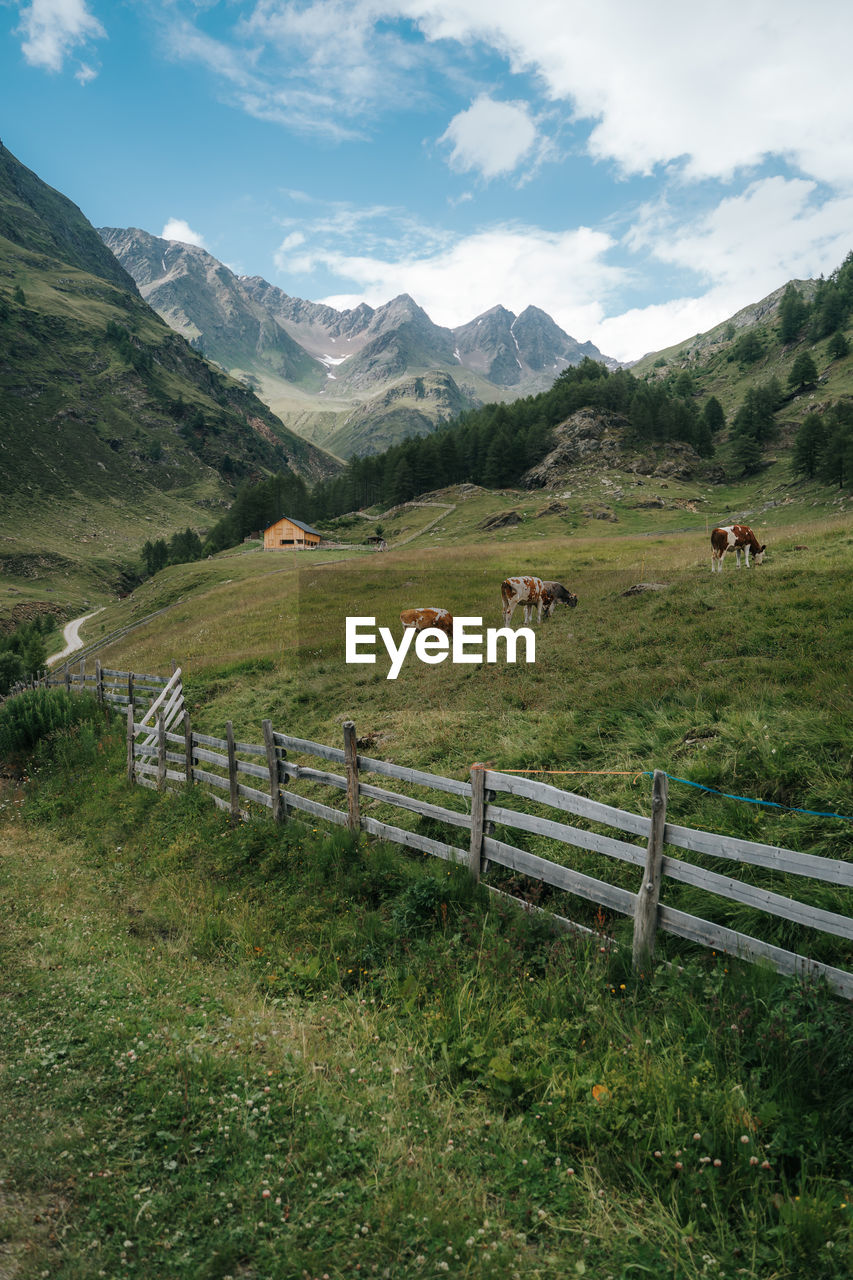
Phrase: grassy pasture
[451,1089]
[274,1053]
[740,682]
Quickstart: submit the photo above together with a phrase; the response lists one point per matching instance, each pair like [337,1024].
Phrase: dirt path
[71,636]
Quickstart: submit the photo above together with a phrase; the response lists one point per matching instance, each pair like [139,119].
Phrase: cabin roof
[306,528]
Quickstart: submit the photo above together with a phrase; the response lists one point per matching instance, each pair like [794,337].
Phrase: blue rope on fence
[766,804]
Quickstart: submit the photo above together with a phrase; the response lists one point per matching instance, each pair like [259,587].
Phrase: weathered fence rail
[217,764]
[164,751]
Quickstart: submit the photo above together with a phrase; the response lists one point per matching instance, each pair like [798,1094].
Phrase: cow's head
[759,555]
[567,597]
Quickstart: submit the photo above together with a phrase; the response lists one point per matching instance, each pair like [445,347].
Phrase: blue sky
[638,171]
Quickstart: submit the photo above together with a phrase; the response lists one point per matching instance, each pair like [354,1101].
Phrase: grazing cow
[532,593]
[422,619]
[737,538]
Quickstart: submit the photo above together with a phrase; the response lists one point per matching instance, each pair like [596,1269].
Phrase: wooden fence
[118,689]
[164,751]
[269,774]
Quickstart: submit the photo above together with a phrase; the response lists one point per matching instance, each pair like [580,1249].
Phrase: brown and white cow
[737,538]
[533,593]
[423,619]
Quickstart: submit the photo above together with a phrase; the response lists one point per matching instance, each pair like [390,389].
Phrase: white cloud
[711,91]
[648,85]
[491,137]
[777,226]
[563,272]
[728,257]
[746,247]
[85,73]
[53,28]
[178,229]
[665,82]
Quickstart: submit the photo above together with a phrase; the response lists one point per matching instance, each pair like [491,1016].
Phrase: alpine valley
[146,391]
[353,381]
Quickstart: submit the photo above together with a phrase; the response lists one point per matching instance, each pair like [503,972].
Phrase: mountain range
[115,428]
[355,381]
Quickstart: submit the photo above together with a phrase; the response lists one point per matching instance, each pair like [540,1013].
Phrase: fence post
[82,675]
[99,682]
[131,763]
[279,805]
[478,813]
[188,749]
[351,762]
[67,678]
[161,752]
[646,909]
[232,773]
[130,692]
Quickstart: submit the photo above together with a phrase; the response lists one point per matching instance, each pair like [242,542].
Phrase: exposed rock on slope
[587,436]
[594,438]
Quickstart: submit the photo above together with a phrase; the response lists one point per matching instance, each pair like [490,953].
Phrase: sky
[640,172]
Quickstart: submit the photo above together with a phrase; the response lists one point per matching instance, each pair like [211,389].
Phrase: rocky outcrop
[503,520]
[588,436]
[681,463]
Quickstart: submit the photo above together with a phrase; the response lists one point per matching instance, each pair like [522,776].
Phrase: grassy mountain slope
[714,361]
[107,417]
[36,217]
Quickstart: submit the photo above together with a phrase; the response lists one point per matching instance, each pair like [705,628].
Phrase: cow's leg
[746,555]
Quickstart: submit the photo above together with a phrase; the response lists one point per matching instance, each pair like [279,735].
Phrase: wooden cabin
[290,533]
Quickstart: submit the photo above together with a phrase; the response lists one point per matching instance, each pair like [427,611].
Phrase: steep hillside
[408,407]
[103,407]
[781,371]
[204,301]
[322,370]
[35,217]
[751,347]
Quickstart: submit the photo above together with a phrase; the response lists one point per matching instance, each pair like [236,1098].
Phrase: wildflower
[697,1137]
[753,1159]
[744,1137]
[765,1164]
[717,1164]
[266,1193]
[678,1165]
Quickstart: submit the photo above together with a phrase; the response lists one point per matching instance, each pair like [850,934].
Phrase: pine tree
[838,346]
[713,415]
[793,313]
[803,372]
[808,445]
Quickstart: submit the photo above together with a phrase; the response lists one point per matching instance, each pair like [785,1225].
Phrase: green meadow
[282,1052]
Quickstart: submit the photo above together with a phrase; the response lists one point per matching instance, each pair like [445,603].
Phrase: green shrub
[39,714]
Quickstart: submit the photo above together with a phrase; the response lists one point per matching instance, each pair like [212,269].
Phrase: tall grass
[425,1082]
